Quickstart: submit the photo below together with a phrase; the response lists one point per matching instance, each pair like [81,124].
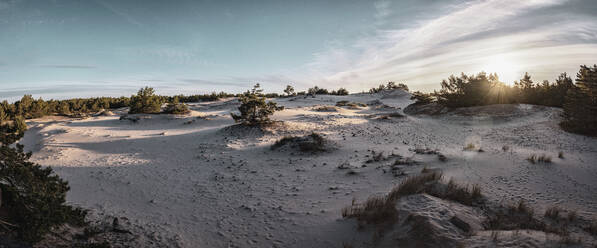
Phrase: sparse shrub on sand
[421,98]
[349,104]
[254,110]
[470,147]
[325,109]
[289,91]
[381,209]
[539,159]
[310,143]
[176,108]
[145,102]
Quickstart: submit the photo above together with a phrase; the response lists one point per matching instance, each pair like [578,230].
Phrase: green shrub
[310,143]
[177,108]
[289,90]
[254,109]
[11,131]
[32,196]
[145,102]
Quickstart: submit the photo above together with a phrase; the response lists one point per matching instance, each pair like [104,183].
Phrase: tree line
[578,99]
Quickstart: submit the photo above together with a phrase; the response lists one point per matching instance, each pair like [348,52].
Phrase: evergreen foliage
[145,102]
[289,91]
[32,197]
[254,109]
[176,107]
[580,108]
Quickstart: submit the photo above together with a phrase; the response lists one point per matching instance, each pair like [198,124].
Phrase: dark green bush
[254,108]
[33,198]
[177,108]
[145,102]
[580,109]
[289,91]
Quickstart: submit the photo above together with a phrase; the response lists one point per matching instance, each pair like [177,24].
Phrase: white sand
[203,185]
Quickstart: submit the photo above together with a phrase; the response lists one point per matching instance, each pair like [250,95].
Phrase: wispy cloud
[464,40]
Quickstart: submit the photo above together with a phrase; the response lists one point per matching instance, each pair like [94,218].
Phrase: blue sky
[70,48]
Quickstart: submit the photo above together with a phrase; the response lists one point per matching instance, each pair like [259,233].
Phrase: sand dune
[194,181]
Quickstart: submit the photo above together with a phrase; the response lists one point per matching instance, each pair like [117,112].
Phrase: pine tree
[145,102]
[254,110]
[580,108]
[289,90]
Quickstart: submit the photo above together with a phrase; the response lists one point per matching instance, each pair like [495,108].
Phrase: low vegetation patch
[544,159]
[311,143]
[325,109]
[382,209]
[350,105]
[472,147]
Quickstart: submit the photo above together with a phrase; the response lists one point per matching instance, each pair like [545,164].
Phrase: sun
[505,67]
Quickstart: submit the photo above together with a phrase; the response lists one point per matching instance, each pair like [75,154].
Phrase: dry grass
[553,212]
[513,217]
[469,147]
[381,210]
[310,143]
[325,109]
[572,216]
[375,210]
[539,159]
[350,105]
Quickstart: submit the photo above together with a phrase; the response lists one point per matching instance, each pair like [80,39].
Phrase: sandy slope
[193,181]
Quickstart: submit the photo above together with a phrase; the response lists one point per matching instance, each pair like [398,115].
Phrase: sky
[71,48]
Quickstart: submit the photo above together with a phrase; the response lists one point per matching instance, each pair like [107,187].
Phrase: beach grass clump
[313,143]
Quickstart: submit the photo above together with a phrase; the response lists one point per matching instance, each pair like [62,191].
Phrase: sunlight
[504,66]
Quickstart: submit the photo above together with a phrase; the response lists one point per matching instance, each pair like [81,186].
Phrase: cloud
[69,66]
[461,41]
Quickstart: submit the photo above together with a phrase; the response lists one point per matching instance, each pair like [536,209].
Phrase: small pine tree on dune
[580,108]
[289,90]
[145,102]
[254,109]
